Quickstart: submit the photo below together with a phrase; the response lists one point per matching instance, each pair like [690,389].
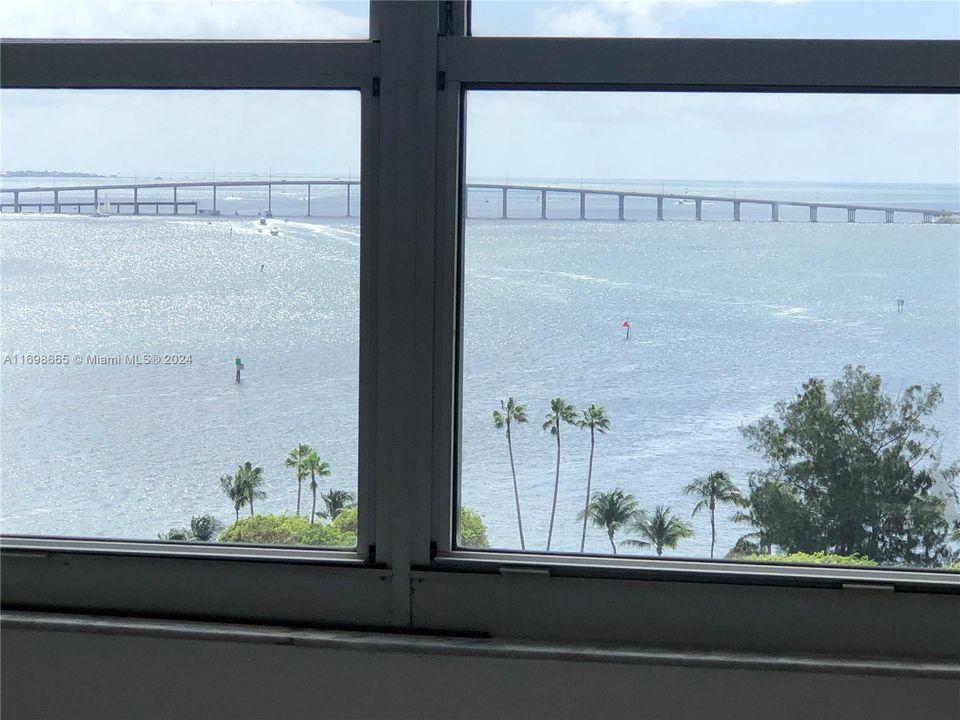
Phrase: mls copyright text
[94,359]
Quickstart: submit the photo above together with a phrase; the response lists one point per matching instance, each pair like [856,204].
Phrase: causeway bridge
[32,198]
[735,203]
[41,199]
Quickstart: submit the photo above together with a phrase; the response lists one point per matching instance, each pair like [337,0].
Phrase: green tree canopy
[286,529]
[817,558]
[852,471]
[347,519]
[473,533]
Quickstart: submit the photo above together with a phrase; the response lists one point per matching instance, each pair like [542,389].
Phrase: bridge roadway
[57,206]
[925,214]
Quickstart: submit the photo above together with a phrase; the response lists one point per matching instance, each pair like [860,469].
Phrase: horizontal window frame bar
[928,66]
[394,642]
[258,589]
[703,571]
[695,615]
[189,65]
[25,545]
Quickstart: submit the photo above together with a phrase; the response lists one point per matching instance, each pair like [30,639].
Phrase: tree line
[851,472]
[244,487]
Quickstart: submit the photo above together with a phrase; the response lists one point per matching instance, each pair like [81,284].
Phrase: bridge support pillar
[620,200]
[736,210]
[270,199]
[583,206]
[660,208]
[96,201]
[504,213]
[16,201]
[543,204]
[214,199]
[309,188]
[698,204]
[136,201]
[56,201]
[813,213]
[889,216]
[851,214]
[775,212]
[927,217]
[176,207]
[348,199]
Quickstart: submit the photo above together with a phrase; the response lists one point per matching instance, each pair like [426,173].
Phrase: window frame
[407,573]
[109,575]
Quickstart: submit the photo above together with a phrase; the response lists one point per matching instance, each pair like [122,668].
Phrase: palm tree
[610,511]
[662,530]
[559,413]
[336,501]
[251,479]
[317,468]
[712,490]
[233,488]
[751,543]
[595,418]
[512,412]
[296,460]
[204,527]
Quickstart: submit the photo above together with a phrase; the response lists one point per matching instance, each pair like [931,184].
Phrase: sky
[521,135]
[908,19]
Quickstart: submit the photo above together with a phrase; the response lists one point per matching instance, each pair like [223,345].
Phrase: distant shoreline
[50,173]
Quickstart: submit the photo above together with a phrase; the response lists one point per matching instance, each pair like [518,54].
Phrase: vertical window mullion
[404,291]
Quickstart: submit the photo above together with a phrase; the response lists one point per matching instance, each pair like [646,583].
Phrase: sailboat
[103,208]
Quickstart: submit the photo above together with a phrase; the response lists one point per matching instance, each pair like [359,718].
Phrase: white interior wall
[57,674]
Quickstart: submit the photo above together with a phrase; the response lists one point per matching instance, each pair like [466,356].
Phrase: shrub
[286,529]
[818,558]
[473,533]
[346,520]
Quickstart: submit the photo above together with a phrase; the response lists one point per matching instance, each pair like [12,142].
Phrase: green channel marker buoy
[239,365]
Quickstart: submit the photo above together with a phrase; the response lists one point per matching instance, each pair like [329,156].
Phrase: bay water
[726,319]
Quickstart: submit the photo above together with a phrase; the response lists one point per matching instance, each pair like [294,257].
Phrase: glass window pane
[741,311]
[817,19]
[185,19]
[180,298]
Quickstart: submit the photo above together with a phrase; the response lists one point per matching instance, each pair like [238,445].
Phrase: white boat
[103,207]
